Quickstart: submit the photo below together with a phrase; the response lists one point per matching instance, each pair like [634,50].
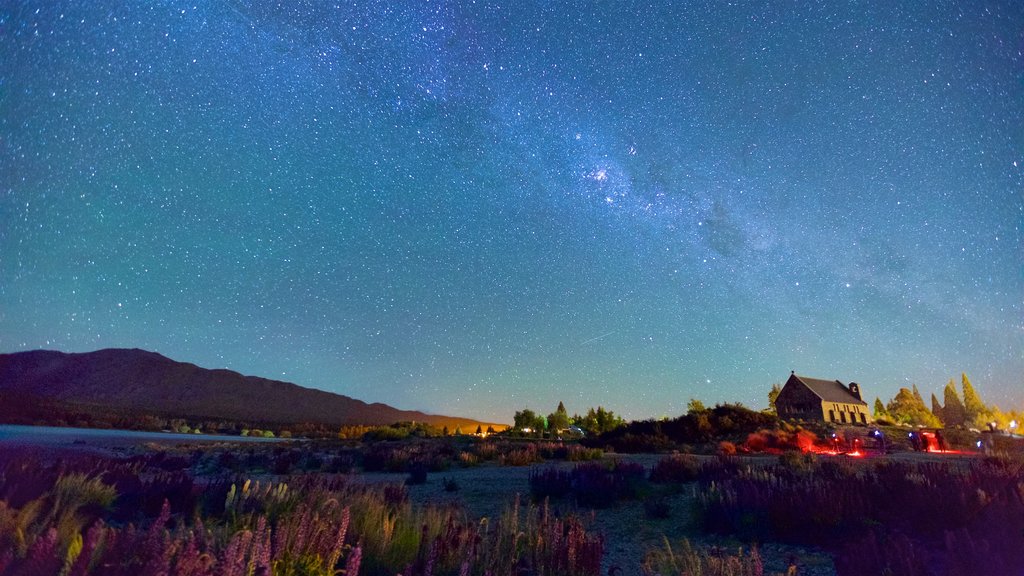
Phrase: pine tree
[880,409]
[917,395]
[953,410]
[773,394]
[559,419]
[937,409]
[976,413]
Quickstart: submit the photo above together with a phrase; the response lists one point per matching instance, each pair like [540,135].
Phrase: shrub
[577,453]
[417,475]
[778,441]
[871,516]
[486,451]
[677,468]
[696,427]
[685,559]
[315,525]
[521,456]
[599,486]
[550,483]
[726,448]
[798,461]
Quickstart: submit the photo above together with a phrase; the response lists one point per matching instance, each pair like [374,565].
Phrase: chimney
[855,390]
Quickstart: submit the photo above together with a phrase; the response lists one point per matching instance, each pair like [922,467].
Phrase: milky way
[470,208]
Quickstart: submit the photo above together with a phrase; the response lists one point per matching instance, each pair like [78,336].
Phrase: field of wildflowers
[89,514]
[882,517]
[284,509]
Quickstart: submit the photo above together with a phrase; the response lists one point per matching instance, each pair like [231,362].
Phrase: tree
[598,421]
[975,411]
[937,409]
[773,394]
[559,419]
[917,395]
[479,430]
[695,406]
[458,430]
[524,419]
[880,409]
[953,412]
[607,420]
[909,409]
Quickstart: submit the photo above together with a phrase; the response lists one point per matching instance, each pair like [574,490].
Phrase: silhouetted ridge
[147,381]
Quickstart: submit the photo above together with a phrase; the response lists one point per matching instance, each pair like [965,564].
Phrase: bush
[550,483]
[778,441]
[599,486]
[677,469]
[521,456]
[870,516]
[417,475]
[798,461]
[486,451]
[577,453]
[697,427]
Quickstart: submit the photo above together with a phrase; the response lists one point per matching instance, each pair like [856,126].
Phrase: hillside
[145,381]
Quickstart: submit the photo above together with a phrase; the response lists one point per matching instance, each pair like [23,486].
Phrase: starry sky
[474,207]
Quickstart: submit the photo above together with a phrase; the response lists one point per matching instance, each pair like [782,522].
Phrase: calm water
[55,435]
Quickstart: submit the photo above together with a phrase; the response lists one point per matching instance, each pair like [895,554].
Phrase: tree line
[595,421]
[956,410]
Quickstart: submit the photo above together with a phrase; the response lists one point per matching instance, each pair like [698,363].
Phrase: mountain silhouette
[148,382]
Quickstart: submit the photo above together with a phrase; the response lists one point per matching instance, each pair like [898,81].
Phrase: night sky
[471,208]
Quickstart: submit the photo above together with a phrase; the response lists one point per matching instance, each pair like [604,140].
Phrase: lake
[53,435]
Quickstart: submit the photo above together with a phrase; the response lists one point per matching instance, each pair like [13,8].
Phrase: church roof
[830,390]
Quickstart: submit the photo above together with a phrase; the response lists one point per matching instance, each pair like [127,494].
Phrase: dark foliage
[695,427]
[591,484]
[677,468]
[417,474]
[891,517]
[550,483]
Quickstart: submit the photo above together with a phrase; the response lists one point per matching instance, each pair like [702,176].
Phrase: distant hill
[145,381]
